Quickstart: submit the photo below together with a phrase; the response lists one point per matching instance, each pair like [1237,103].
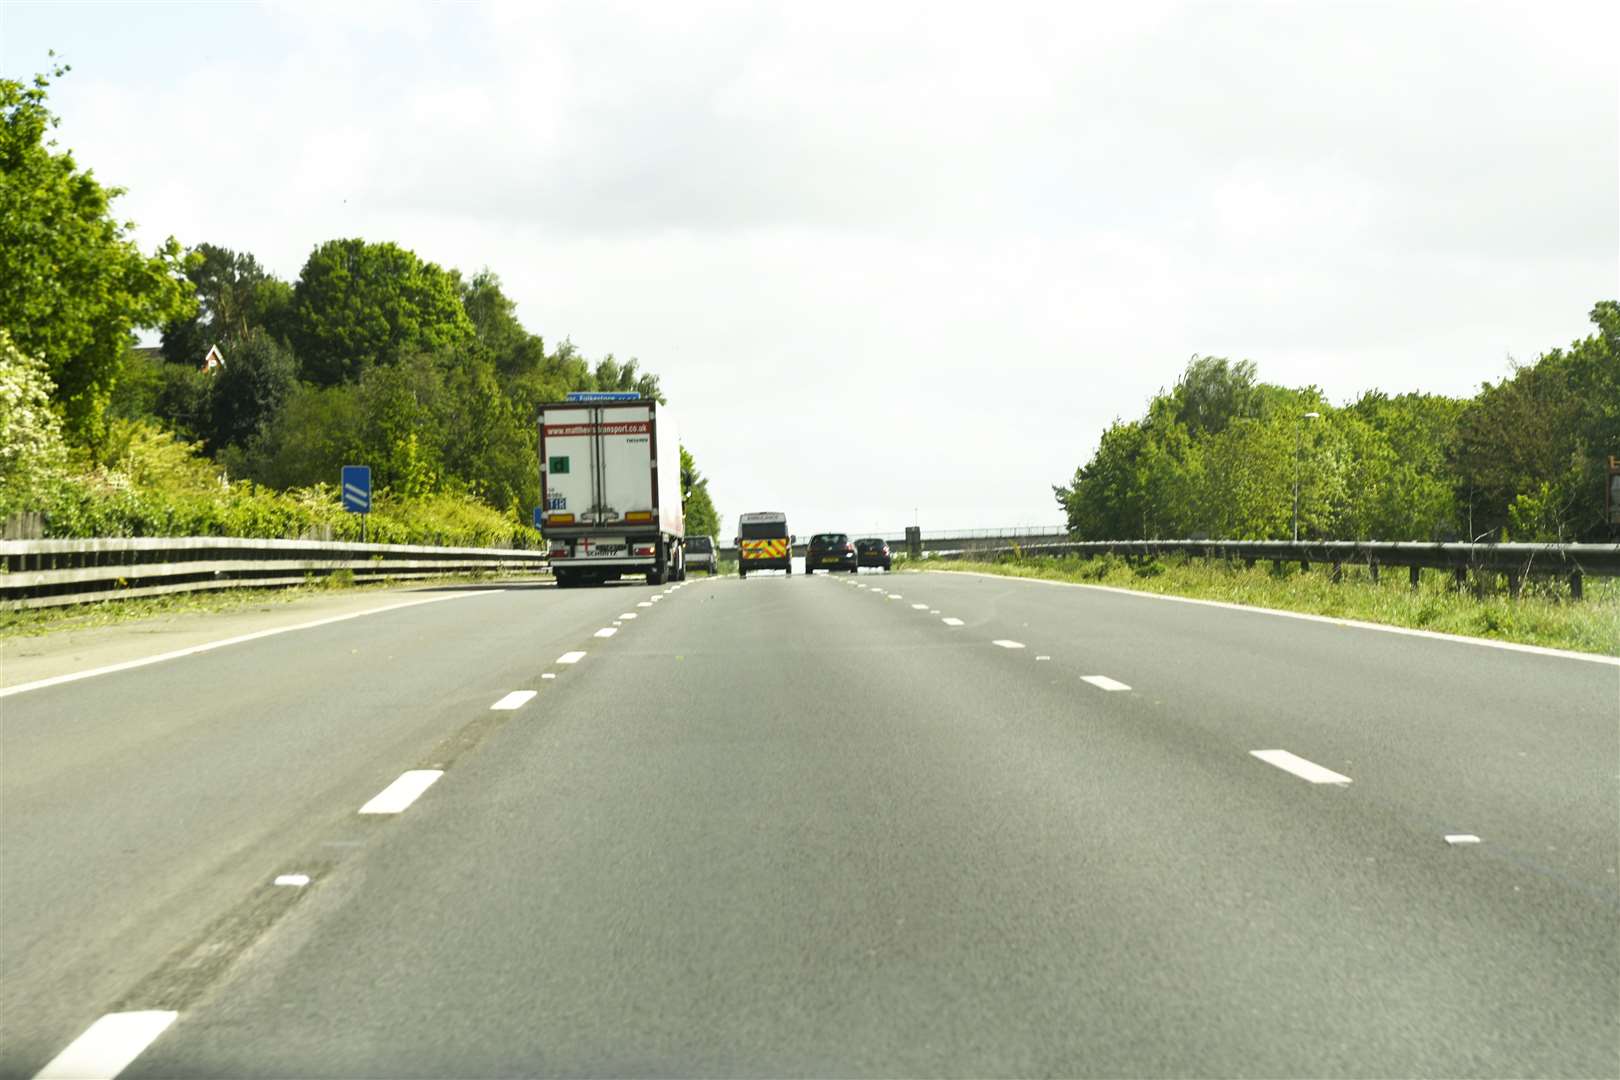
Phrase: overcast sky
[892,258]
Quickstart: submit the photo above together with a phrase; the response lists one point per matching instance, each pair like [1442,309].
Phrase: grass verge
[32,622]
[1543,615]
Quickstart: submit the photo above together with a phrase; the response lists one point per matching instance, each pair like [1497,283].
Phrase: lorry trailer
[610,489]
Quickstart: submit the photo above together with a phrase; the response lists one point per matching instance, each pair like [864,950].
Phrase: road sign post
[356,487]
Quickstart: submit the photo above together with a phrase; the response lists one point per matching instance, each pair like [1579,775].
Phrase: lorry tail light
[644,549]
[560,551]
[638,515]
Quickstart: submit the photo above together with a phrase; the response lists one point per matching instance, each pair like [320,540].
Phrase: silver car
[700,553]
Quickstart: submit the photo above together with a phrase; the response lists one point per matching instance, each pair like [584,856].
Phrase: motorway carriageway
[918,824]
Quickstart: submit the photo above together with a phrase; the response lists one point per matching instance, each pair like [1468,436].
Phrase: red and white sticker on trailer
[606,547]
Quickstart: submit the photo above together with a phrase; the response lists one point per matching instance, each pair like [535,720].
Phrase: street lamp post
[1299,449]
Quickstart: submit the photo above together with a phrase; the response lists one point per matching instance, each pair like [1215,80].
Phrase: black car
[829,551]
[873,552]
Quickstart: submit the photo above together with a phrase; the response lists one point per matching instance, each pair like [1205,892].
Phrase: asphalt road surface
[919,824]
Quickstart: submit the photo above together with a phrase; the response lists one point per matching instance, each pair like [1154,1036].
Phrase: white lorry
[610,489]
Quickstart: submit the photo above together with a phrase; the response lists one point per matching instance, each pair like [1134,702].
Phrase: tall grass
[1544,614]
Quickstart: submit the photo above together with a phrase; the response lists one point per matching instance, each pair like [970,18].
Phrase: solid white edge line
[1103,682]
[1005,644]
[107,1046]
[606,631]
[1511,646]
[402,792]
[515,700]
[571,657]
[75,676]
[1300,767]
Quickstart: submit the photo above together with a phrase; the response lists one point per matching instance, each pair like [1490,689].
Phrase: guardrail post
[1413,573]
[1575,585]
[1248,564]
[1459,577]
[1515,583]
[1338,572]
[1305,565]
[1276,567]
[1372,570]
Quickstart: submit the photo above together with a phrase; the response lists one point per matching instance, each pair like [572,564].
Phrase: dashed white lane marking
[933,611]
[645,603]
[1305,770]
[948,621]
[1043,658]
[298,880]
[628,615]
[607,631]
[56,680]
[1005,644]
[1103,682]
[570,658]
[515,700]
[895,596]
[402,792]
[919,607]
[1461,838]
[548,675]
[107,1046]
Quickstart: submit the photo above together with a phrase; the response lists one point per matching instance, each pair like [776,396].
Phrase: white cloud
[889,256]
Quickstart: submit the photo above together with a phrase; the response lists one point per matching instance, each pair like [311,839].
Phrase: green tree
[1213,392]
[316,432]
[696,505]
[358,305]
[258,376]
[234,295]
[73,285]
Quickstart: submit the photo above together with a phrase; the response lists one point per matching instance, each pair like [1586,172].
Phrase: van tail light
[644,549]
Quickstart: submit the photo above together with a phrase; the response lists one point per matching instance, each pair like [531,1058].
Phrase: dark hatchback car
[829,551]
[873,552]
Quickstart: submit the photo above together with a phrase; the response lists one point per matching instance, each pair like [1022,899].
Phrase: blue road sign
[357,489]
[604,395]
[539,513]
